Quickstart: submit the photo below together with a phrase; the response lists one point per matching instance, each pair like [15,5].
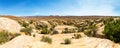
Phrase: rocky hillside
[9,25]
[56,32]
[85,42]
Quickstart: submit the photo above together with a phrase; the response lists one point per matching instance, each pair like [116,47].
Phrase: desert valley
[60,32]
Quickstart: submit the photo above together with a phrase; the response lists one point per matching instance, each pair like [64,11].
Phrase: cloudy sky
[59,7]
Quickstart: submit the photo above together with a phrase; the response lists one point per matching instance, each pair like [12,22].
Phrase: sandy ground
[24,41]
[60,28]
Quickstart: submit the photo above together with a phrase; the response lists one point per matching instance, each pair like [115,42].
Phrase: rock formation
[9,25]
[24,41]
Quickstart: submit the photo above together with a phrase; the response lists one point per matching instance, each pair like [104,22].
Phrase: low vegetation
[67,41]
[45,31]
[80,29]
[24,24]
[54,32]
[46,39]
[66,30]
[6,36]
[27,31]
[112,30]
[77,36]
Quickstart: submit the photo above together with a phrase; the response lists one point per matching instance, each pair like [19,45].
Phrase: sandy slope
[24,41]
[9,25]
[60,28]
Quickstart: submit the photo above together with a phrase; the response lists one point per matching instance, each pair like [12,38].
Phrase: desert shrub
[31,21]
[77,36]
[52,28]
[41,26]
[54,32]
[6,36]
[77,25]
[27,31]
[67,41]
[24,24]
[46,39]
[90,33]
[72,30]
[105,21]
[69,22]
[66,31]
[34,35]
[38,27]
[112,30]
[45,31]
[80,29]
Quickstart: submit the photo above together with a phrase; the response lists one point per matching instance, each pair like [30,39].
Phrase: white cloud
[93,7]
[36,13]
[86,7]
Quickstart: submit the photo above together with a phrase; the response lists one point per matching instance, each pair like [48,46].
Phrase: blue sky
[59,7]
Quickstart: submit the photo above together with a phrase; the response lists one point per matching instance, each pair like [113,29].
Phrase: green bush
[77,36]
[80,29]
[54,32]
[31,21]
[67,41]
[24,24]
[91,31]
[46,39]
[38,27]
[66,31]
[45,31]
[88,33]
[6,36]
[41,26]
[112,30]
[105,21]
[27,31]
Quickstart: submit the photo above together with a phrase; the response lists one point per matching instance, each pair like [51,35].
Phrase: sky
[59,7]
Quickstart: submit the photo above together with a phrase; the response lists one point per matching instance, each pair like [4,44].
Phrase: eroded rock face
[9,25]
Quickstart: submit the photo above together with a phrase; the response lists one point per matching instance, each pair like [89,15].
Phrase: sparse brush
[88,33]
[66,31]
[54,32]
[31,21]
[81,29]
[46,39]
[77,36]
[67,41]
[27,31]
[24,24]
[45,31]
[7,36]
